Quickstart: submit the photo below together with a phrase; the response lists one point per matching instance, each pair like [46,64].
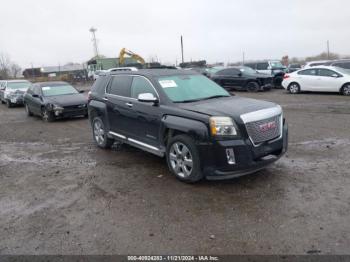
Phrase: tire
[46,115]
[252,87]
[183,159]
[8,103]
[99,133]
[294,88]
[2,102]
[346,90]
[28,112]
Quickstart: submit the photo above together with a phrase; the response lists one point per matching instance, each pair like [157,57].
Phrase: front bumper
[67,113]
[248,159]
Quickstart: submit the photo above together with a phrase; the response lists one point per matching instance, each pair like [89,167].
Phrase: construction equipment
[125,51]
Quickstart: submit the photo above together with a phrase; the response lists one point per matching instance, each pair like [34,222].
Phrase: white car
[318,79]
[315,63]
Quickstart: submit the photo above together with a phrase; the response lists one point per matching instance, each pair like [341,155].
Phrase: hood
[233,106]
[67,100]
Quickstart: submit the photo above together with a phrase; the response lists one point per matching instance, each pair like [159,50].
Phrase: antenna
[94,40]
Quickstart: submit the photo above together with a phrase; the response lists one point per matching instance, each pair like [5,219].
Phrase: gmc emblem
[267,126]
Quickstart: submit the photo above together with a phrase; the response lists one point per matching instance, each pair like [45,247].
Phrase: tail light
[286,76]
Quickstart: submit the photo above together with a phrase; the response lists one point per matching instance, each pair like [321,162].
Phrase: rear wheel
[100,134]
[294,88]
[346,90]
[252,87]
[183,159]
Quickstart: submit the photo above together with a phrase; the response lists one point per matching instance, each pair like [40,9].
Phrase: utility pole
[182,50]
[328,49]
[243,57]
[33,76]
[94,40]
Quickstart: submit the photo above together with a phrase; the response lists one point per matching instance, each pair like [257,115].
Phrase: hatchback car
[52,100]
[319,79]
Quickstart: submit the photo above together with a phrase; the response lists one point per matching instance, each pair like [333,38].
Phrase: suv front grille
[264,130]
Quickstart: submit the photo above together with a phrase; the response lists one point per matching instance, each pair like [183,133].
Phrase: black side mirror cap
[35,95]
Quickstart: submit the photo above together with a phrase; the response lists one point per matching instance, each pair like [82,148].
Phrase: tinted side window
[253,66]
[120,85]
[37,90]
[100,85]
[30,90]
[308,72]
[345,65]
[141,85]
[326,72]
[262,66]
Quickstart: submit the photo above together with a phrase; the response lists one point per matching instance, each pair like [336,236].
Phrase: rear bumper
[248,159]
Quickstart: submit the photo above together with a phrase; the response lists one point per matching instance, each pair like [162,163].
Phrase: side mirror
[35,95]
[147,98]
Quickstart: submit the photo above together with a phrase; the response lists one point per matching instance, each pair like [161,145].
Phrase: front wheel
[346,90]
[100,134]
[252,87]
[47,116]
[183,159]
[294,88]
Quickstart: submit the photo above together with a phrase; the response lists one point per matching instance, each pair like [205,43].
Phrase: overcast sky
[52,32]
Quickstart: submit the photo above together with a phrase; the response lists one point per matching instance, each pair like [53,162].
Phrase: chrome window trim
[110,81]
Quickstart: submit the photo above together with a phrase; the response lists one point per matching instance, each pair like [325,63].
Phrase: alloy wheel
[294,88]
[45,115]
[99,132]
[181,159]
[346,90]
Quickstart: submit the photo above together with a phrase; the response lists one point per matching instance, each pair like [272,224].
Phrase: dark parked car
[52,100]
[200,128]
[12,91]
[242,78]
[293,67]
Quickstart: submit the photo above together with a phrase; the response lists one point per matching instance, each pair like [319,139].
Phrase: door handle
[129,104]
[105,98]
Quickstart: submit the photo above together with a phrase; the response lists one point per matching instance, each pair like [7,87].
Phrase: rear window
[100,84]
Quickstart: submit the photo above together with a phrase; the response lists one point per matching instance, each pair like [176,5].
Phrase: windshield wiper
[200,99]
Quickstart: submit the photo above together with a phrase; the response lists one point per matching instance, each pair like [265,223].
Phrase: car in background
[293,67]
[242,78]
[12,91]
[115,69]
[201,129]
[210,71]
[273,68]
[342,63]
[318,79]
[315,63]
[52,100]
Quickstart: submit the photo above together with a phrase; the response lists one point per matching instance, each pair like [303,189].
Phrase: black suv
[242,78]
[200,128]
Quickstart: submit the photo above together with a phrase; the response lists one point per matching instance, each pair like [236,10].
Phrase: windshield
[276,64]
[187,88]
[58,90]
[18,85]
[247,70]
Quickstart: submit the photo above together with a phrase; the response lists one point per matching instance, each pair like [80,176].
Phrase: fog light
[230,154]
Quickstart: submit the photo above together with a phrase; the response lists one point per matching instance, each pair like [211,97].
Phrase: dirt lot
[59,194]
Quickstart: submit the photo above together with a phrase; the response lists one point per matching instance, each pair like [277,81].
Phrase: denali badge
[267,126]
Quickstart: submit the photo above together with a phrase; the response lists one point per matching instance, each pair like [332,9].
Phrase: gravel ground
[59,194]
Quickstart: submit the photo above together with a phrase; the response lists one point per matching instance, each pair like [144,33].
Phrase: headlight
[222,126]
[57,108]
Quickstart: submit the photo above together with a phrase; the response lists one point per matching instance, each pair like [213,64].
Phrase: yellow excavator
[125,51]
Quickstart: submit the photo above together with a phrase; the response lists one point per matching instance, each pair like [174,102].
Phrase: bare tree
[15,69]
[5,66]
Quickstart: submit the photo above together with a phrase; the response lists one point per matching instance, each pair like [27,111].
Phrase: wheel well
[169,133]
